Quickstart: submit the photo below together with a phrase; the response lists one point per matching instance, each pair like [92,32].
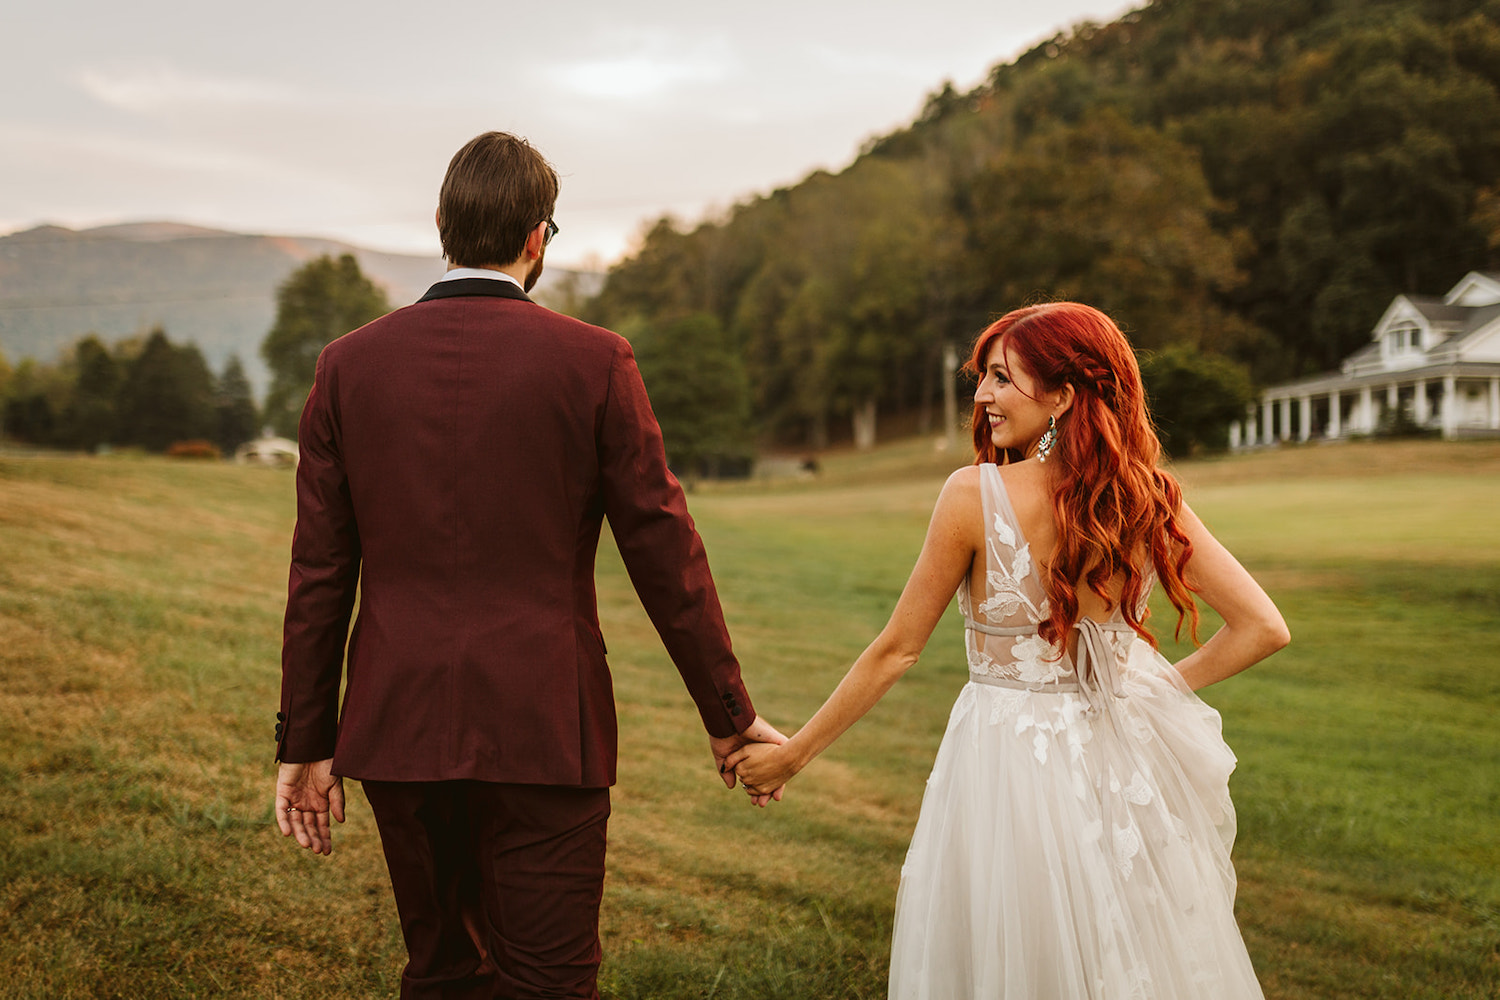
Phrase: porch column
[1267,426]
[1366,419]
[1495,404]
[1234,435]
[1450,407]
[1335,427]
[1419,403]
[1304,418]
[1285,431]
[1252,429]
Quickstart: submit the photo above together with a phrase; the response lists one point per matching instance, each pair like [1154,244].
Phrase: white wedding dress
[1074,838]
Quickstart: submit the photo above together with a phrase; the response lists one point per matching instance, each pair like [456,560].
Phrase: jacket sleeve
[662,551]
[323,580]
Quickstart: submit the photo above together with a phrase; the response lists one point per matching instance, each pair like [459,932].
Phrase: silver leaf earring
[1047,441]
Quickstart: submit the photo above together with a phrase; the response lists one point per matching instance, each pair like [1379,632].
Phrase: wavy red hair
[1110,500]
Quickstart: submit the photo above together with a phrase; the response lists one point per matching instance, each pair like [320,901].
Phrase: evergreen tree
[699,393]
[234,406]
[92,419]
[320,302]
[30,413]
[167,396]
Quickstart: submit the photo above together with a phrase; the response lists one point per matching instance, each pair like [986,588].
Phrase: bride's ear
[1065,397]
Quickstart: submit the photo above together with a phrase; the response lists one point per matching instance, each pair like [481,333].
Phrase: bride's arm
[953,537]
[1253,628]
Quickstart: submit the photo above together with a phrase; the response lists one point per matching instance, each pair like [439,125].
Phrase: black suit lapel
[474,286]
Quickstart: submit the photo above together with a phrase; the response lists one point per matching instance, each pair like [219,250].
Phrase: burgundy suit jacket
[458,457]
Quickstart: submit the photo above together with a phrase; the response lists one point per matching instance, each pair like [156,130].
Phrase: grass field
[140,610]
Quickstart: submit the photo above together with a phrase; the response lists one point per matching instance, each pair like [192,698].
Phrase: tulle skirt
[1067,853]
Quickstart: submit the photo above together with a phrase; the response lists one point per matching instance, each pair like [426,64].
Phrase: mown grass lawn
[140,610]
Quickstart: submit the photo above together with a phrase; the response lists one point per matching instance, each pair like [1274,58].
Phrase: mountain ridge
[212,287]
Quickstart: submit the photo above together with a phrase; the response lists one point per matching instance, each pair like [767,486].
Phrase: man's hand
[759,731]
[306,794]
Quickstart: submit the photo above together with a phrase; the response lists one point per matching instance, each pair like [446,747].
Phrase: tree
[167,396]
[1486,217]
[36,394]
[699,393]
[93,418]
[318,303]
[1194,398]
[5,374]
[1113,214]
[234,406]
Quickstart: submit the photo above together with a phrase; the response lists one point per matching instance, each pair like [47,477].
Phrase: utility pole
[950,397]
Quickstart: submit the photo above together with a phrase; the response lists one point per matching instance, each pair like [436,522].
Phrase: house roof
[1342,382]
[1483,284]
[1480,318]
[1435,310]
[1369,352]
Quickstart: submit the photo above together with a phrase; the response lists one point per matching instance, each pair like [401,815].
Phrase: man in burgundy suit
[458,457]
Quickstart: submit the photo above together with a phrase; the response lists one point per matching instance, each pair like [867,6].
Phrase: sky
[338,119]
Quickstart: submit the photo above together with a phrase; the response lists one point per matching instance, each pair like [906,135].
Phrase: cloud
[163,88]
[652,64]
[99,152]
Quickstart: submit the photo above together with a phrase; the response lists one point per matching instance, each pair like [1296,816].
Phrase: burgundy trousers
[497,886]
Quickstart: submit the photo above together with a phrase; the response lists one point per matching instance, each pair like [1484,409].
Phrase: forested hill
[1251,178]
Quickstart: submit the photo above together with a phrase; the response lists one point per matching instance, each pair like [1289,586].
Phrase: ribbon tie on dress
[1096,664]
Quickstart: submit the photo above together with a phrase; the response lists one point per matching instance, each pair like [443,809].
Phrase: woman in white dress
[1075,833]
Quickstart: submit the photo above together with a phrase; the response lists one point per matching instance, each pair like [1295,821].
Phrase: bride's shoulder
[959,509]
[968,476]
[963,484]
[961,493]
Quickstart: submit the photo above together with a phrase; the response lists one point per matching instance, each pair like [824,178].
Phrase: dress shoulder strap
[1000,523]
[1011,597]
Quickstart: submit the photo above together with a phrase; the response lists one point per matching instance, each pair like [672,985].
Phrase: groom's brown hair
[497,189]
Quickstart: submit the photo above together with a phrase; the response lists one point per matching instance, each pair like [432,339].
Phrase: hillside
[1248,180]
[208,286]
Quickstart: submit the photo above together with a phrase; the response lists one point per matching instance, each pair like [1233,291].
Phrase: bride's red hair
[1110,500]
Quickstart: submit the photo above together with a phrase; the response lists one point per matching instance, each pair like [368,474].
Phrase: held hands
[763,766]
[758,733]
[306,794]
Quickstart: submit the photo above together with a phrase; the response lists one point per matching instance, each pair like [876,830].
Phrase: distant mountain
[214,288]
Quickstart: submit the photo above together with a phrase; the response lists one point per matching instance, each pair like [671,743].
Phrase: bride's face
[1013,401]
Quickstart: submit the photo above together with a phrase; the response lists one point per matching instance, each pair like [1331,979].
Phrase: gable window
[1406,338]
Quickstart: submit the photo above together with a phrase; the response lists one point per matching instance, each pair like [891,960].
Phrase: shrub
[193,449]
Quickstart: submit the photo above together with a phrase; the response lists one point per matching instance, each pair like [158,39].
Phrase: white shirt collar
[478,272]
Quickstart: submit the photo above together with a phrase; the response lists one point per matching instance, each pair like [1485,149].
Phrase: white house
[1435,359]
